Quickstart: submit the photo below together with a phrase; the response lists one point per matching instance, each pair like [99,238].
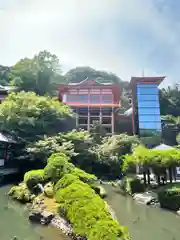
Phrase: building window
[107,98]
[148,97]
[148,111]
[149,118]
[94,98]
[150,125]
[148,104]
[83,98]
[147,90]
[71,98]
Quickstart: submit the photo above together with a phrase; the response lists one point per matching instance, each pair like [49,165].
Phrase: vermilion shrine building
[92,102]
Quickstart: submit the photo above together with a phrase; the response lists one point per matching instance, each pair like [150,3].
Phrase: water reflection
[143,222]
[14,222]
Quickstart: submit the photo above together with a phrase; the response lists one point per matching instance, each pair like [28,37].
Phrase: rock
[178,212]
[145,198]
[43,217]
[15,238]
[35,216]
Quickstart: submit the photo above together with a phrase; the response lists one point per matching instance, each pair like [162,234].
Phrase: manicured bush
[21,193]
[34,177]
[169,197]
[88,213]
[132,185]
[57,166]
[49,190]
[83,176]
[65,181]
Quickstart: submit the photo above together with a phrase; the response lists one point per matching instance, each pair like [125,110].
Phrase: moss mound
[88,213]
[49,190]
[33,177]
[21,193]
[57,166]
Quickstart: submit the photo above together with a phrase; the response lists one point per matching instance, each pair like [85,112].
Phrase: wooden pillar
[112,121]
[100,115]
[77,118]
[88,127]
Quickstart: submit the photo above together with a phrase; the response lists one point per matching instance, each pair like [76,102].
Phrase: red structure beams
[87,95]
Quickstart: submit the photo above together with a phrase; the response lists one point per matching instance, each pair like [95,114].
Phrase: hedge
[83,176]
[88,213]
[132,185]
[21,193]
[57,165]
[169,197]
[65,181]
[34,177]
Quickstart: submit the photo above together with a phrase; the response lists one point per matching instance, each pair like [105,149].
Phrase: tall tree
[30,117]
[38,74]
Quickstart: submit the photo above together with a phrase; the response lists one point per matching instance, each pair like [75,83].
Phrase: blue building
[146,118]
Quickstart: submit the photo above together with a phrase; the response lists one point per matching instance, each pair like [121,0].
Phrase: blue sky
[120,36]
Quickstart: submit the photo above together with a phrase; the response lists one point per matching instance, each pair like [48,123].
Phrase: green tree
[30,117]
[38,74]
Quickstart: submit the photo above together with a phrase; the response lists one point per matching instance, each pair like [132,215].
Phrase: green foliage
[65,181]
[42,149]
[88,213]
[34,177]
[109,153]
[132,185]
[37,74]
[170,101]
[49,190]
[169,197]
[79,74]
[83,176]
[57,166]
[31,117]
[178,138]
[152,158]
[71,143]
[21,193]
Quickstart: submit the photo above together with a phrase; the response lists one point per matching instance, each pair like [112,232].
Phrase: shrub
[49,190]
[132,185]
[65,181]
[21,193]
[83,176]
[88,213]
[57,166]
[34,177]
[169,198]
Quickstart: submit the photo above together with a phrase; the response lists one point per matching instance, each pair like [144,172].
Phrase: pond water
[14,222]
[143,222]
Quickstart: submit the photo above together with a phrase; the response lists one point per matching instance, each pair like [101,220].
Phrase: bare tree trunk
[170,174]
[148,175]
[144,178]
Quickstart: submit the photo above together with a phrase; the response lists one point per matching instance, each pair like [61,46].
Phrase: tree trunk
[144,178]
[170,174]
[174,173]
[158,179]
[148,175]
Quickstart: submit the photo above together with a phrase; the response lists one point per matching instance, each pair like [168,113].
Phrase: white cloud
[69,29]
